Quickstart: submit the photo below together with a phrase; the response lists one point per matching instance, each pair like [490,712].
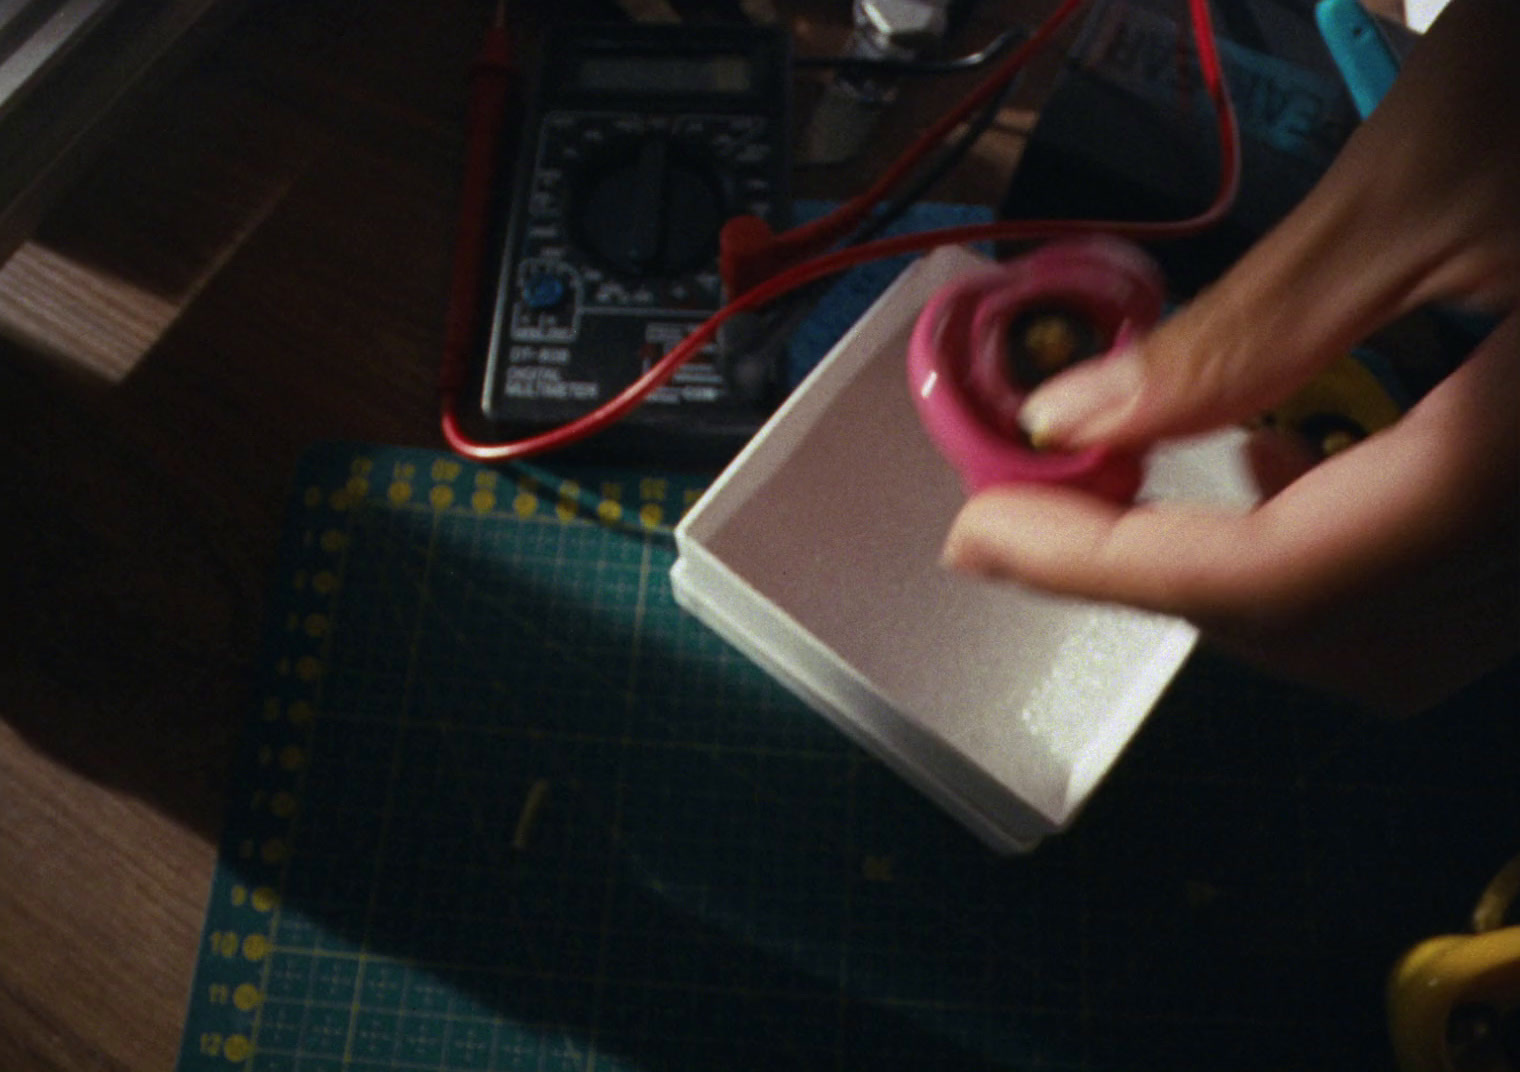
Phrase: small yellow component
[1045,340]
[1338,408]
[1497,898]
[1336,441]
[1051,342]
[538,792]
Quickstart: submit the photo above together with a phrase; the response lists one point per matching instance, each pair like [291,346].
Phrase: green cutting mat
[502,806]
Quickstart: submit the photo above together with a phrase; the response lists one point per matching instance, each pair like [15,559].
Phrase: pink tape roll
[962,376]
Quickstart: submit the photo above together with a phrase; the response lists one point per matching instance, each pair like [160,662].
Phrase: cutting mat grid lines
[503,806]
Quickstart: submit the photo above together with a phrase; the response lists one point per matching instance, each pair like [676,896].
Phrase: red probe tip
[746,254]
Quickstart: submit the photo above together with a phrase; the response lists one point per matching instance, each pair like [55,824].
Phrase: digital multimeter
[640,143]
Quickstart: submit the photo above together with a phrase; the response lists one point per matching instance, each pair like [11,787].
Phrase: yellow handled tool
[1454,1000]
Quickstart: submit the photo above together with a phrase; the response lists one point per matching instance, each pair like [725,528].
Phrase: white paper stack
[816,554]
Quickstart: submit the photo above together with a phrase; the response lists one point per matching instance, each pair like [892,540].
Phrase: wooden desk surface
[259,263]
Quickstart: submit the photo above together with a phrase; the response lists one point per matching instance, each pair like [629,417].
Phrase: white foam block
[816,553]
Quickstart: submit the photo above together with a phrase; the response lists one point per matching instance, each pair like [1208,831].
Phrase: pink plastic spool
[962,378]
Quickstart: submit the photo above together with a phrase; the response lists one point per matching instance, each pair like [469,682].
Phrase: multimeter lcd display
[640,143]
[648,74]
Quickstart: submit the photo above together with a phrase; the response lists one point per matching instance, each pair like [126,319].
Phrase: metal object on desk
[847,114]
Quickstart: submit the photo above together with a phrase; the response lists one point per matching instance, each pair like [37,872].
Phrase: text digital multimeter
[640,143]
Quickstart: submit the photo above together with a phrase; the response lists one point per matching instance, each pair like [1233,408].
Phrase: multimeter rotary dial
[650,208]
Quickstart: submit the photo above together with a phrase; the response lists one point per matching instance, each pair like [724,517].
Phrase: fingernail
[962,553]
[955,560]
[1083,403]
[949,558]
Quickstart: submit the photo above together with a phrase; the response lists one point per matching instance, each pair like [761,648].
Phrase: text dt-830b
[641,142]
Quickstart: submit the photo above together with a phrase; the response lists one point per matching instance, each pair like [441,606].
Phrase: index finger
[1433,488]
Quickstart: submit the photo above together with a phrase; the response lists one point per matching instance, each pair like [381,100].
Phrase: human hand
[1390,572]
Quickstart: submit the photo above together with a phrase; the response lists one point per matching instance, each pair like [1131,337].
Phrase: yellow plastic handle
[1445,974]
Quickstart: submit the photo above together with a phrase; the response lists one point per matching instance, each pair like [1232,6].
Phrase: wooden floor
[259,262]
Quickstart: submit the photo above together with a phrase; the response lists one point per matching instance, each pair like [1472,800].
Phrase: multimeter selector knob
[652,210]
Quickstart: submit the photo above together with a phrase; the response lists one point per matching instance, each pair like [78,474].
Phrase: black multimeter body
[640,142]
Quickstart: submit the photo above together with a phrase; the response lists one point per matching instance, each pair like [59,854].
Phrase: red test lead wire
[491,119]
[828,264]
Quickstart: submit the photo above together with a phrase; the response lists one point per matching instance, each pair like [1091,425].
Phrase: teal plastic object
[1367,63]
